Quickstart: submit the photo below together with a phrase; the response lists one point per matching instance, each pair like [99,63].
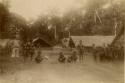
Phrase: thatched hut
[41,42]
[119,39]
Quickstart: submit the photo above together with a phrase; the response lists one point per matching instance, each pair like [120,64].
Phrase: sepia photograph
[62,41]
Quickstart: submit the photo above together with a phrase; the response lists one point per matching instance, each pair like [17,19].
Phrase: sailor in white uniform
[15,48]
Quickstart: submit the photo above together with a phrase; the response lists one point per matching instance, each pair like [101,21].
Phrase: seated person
[69,59]
[38,59]
[61,58]
[73,57]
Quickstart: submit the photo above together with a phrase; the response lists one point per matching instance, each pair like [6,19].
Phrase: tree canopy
[4,12]
[98,17]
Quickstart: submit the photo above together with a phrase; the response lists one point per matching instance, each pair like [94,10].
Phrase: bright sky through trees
[33,8]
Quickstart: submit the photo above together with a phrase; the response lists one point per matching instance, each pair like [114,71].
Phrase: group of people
[103,53]
[100,53]
[107,53]
[76,55]
[29,52]
[71,59]
[68,43]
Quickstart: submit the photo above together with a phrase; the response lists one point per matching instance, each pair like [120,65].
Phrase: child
[61,57]
[73,57]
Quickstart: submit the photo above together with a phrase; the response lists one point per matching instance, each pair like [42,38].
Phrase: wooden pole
[115,29]
[69,33]
[96,12]
[55,32]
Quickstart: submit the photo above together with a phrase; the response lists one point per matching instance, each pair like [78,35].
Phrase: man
[26,50]
[31,51]
[80,48]
[94,52]
[15,48]
[122,52]
[103,53]
[1,60]
[39,58]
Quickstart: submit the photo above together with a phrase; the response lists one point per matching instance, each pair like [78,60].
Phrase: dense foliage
[99,17]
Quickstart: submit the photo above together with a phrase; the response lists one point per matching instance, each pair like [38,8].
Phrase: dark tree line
[4,12]
[92,20]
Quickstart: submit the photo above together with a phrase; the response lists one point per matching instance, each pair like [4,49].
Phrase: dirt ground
[51,71]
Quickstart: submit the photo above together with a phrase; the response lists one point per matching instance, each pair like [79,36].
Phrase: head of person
[74,52]
[39,47]
[104,45]
[80,42]
[93,45]
[70,37]
[108,45]
[28,42]
[61,53]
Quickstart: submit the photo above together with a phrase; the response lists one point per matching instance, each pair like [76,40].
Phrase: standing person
[1,60]
[39,58]
[71,43]
[31,51]
[64,43]
[80,50]
[103,53]
[15,48]
[94,52]
[25,55]
[110,52]
[122,52]
[73,58]
[23,51]
[113,52]
[26,50]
